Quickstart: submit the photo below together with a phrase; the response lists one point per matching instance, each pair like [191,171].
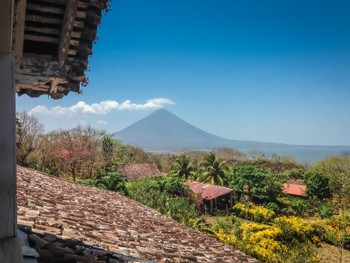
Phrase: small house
[215,198]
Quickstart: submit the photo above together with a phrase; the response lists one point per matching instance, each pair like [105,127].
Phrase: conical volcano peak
[163,130]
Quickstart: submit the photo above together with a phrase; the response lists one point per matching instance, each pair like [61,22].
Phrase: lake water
[303,153]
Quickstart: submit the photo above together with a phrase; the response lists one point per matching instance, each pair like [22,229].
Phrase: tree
[78,150]
[255,182]
[183,167]
[29,131]
[48,158]
[113,181]
[317,185]
[108,147]
[337,169]
[91,139]
[213,171]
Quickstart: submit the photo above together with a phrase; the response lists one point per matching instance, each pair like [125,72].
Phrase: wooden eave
[52,42]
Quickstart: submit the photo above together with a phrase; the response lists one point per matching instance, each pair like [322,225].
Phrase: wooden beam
[6,14]
[56,2]
[72,52]
[19,30]
[78,24]
[76,34]
[43,19]
[45,39]
[46,9]
[83,5]
[43,30]
[81,14]
[67,29]
[74,42]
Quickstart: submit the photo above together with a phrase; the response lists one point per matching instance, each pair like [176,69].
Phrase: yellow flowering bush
[253,212]
[296,228]
[337,230]
[226,237]
[268,242]
[261,241]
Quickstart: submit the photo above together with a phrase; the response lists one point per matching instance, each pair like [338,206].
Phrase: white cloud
[101,108]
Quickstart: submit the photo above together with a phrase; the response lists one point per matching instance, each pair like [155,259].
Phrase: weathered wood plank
[43,19]
[43,30]
[19,30]
[67,29]
[45,39]
[45,9]
[31,70]
[45,88]
[8,216]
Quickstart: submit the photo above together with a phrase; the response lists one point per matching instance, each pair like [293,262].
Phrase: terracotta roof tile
[208,191]
[138,170]
[294,189]
[111,221]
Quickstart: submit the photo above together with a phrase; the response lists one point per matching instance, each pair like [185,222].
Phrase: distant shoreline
[300,153]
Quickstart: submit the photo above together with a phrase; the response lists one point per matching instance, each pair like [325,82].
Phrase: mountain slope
[162,130]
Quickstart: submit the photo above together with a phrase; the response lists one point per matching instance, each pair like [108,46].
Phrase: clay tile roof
[294,189]
[208,191]
[138,171]
[111,221]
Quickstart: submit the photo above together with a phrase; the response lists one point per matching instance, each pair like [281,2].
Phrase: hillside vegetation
[263,222]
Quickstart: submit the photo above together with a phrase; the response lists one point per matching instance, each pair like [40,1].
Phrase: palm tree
[213,171]
[183,167]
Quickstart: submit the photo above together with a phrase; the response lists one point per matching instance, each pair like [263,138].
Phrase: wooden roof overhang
[52,41]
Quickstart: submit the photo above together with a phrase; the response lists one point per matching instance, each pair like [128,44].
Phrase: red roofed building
[295,189]
[215,198]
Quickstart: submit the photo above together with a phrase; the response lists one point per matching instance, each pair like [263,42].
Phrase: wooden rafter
[43,19]
[44,39]
[67,29]
[20,22]
[45,9]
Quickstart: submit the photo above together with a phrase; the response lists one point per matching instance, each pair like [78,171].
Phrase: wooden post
[7,148]
[10,247]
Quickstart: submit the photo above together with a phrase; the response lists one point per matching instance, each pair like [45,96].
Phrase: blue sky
[275,71]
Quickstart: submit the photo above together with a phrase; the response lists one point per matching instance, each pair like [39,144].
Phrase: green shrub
[299,206]
[273,207]
[324,210]
[181,210]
